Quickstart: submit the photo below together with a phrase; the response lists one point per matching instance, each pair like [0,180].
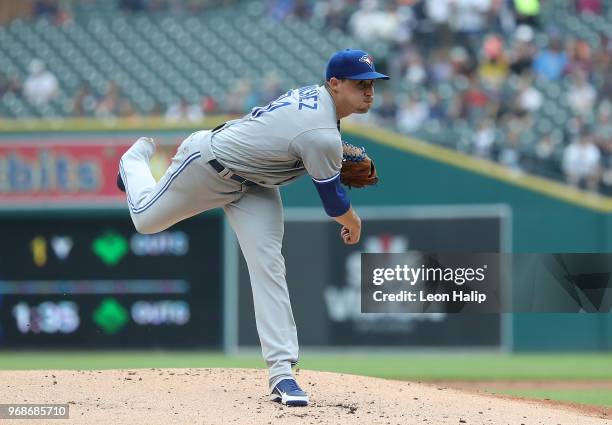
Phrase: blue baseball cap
[349,64]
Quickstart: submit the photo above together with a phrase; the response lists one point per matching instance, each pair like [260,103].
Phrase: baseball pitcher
[239,167]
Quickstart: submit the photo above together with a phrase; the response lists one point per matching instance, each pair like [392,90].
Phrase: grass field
[446,367]
[463,366]
[597,397]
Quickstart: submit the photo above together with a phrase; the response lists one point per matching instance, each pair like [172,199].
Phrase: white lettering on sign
[164,243]
[47,317]
[165,312]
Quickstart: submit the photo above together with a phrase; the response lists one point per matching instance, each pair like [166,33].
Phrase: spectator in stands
[407,13]
[209,105]
[522,51]
[412,114]
[545,148]
[132,5]
[581,162]
[470,20]
[46,9]
[603,132]
[439,13]
[108,106]
[602,57]
[236,100]
[527,12]
[302,9]
[157,111]
[11,10]
[493,68]
[386,112]
[437,109]
[371,23]
[580,57]
[9,85]
[195,7]
[413,68]
[510,152]
[603,139]
[174,7]
[474,101]
[604,72]
[551,62]
[127,111]
[253,97]
[84,102]
[461,61]
[281,9]
[440,68]
[544,161]
[581,95]
[528,98]
[58,13]
[157,6]
[501,17]
[271,88]
[589,7]
[40,86]
[183,111]
[574,126]
[483,139]
[335,13]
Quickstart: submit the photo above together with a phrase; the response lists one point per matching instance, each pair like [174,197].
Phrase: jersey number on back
[278,103]
[308,99]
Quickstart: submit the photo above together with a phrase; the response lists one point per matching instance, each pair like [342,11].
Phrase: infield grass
[600,397]
[463,366]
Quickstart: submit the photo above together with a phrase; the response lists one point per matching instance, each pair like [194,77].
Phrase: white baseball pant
[191,186]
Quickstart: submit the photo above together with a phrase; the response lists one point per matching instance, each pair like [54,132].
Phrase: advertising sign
[324,277]
[78,171]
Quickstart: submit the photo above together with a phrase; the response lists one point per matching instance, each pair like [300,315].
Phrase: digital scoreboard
[87,279]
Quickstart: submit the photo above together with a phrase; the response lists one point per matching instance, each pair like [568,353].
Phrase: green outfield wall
[546,217]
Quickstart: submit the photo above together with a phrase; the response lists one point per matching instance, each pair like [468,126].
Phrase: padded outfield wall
[546,217]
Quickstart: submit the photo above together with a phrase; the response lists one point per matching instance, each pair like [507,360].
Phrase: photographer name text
[430,276]
[422,296]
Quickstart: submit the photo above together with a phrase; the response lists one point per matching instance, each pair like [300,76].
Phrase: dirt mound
[226,396]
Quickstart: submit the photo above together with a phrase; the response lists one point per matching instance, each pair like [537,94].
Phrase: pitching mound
[226,396]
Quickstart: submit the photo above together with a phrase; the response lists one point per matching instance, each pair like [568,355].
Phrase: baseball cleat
[120,184]
[289,393]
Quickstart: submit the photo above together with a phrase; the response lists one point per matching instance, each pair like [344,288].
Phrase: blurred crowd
[32,9]
[41,87]
[487,77]
[61,11]
[177,7]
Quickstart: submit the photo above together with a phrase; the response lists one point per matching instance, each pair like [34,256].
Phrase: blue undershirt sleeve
[334,197]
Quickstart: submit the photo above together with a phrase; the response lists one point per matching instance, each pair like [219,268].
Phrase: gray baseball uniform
[271,146]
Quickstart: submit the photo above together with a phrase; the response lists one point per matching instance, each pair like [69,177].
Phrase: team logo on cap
[367,59]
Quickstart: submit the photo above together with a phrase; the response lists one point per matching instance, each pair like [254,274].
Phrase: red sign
[61,172]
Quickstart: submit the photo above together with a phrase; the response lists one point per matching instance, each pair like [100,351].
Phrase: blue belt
[220,168]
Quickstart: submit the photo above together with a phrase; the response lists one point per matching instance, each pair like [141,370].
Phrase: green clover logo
[110,316]
[111,247]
